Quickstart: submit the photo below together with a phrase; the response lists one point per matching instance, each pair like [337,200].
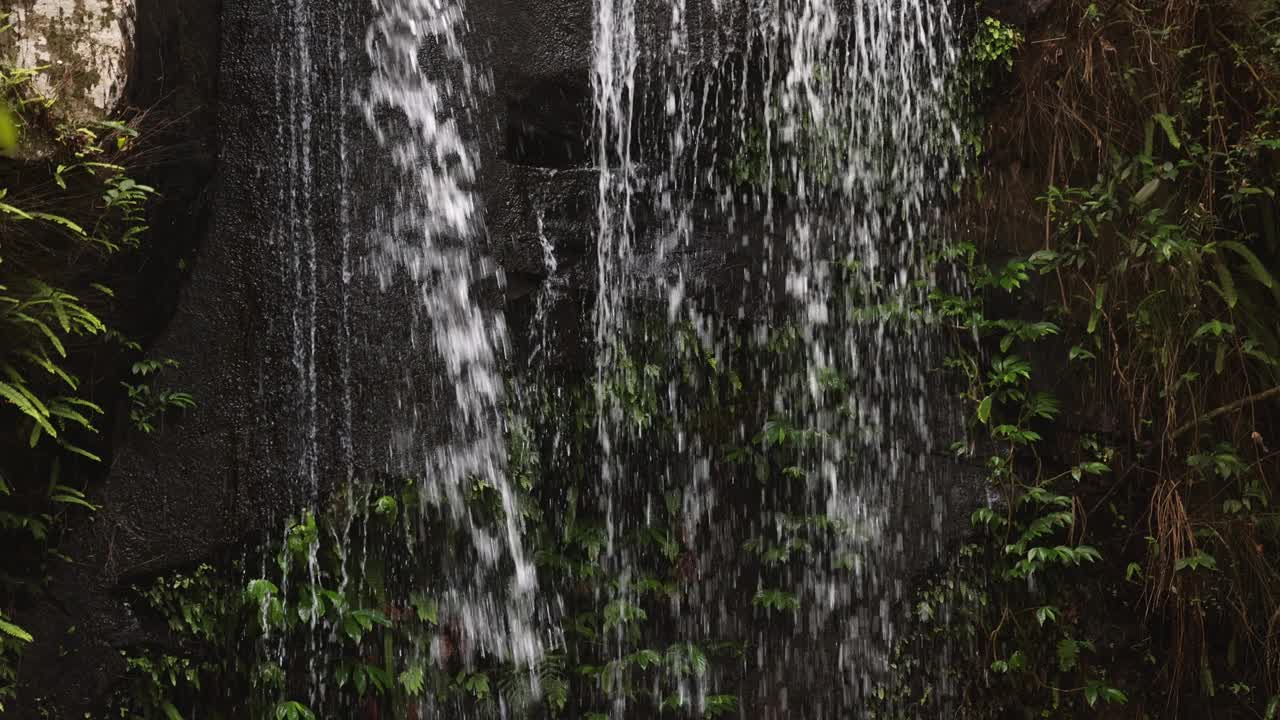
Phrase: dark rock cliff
[245,253]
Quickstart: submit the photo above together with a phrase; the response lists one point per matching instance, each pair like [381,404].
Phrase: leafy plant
[59,231]
[146,404]
[1144,303]
[996,42]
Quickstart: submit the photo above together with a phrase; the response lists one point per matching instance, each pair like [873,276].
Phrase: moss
[81,54]
[73,74]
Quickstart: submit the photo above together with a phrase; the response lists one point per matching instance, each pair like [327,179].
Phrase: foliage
[60,225]
[380,622]
[1119,367]
[1135,549]
[354,575]
[995,42]
[147,405]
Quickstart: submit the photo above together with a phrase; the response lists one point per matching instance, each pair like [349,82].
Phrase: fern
[53,318]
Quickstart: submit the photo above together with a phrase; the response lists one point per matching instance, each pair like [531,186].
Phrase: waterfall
[376,208]
[433,232]
[768,183]
[815,151]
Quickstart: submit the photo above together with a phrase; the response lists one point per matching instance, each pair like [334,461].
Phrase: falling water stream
[815,149]
[769,180]
[432,231]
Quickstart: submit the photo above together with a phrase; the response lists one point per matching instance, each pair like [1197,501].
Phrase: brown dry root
[1175,540]
[1273,650]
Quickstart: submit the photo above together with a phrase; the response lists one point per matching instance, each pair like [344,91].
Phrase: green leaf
[8,130]
[985,517]
[644,659]
[1093,468]
[39,324]
[1086,553]
[259,590]
[1043,257]
[60,310]
[1166,122]
[1079,353]
[16,212]
[1099,298]
[81,402]
[717,705]
[14,631]
[1043,405]
[76,499]
[29,406]
[427,608]
[1068,654]
[776,600]
[59,220]
[1144,194]
[412,680]
[60,410]
[171,712]
[697,659]
[478,685]
[621,612]
[1200,559]
[51,368]
[386,505]
[1226,283]
[984,410]
[1216,328]
[1256,268]
[293,710]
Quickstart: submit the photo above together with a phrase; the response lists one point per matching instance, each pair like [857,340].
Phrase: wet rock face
[86,47]
[226,472]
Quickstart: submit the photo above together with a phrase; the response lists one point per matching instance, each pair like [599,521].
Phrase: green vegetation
[1119,392]
[356,577]
[1125,377]
[61,223]
[1115,345]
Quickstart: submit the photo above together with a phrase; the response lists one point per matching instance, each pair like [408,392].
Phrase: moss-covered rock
[83,48]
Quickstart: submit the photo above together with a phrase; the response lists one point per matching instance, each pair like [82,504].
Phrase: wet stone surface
[270,261]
